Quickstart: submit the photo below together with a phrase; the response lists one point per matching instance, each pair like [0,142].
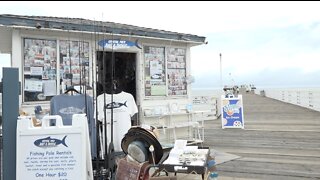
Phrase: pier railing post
[10,112]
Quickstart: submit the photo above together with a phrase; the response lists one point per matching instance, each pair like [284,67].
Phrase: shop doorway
[124,71]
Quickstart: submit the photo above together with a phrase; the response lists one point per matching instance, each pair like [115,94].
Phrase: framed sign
[232,112]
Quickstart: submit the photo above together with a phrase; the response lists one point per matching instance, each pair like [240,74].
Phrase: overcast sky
[274,44]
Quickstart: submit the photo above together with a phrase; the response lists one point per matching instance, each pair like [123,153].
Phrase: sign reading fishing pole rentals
[51,152]
[232,112]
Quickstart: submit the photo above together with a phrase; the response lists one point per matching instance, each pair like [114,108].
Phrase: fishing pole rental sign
[46,153]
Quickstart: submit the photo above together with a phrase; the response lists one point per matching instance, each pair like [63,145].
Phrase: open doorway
[124,71]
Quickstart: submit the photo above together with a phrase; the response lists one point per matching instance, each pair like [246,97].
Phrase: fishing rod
[82,67]
[113,88]
[88,110]
[80,63]
[106,162]
[83,64]
[94,89]
[85,75]
[101,160]
[69,55]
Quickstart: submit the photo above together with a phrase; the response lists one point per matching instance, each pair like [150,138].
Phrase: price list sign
[51,152]
[50,157]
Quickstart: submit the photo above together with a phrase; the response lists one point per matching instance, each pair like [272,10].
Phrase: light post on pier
[221,84]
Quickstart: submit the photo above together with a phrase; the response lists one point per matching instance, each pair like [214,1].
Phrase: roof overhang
[98,27]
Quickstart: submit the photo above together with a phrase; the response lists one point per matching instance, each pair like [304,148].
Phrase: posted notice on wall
[50,157]
[232,112]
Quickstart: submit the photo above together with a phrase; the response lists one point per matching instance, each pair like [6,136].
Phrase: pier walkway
[280,141]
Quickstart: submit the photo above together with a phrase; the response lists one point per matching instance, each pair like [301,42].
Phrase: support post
[10,112]
[221,84]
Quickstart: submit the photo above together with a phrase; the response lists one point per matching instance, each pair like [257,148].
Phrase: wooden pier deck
[280,141]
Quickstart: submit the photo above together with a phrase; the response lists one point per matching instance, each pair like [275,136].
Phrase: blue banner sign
[117,44]
[232,112]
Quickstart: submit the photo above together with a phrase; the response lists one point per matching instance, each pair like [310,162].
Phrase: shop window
[155,75]
[176,70]
[74,63]
[40,69]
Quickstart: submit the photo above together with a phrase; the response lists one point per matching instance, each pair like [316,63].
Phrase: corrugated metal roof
[79,24]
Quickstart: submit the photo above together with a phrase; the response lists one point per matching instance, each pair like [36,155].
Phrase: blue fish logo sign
[50,142]
[118,44]
[116,105]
